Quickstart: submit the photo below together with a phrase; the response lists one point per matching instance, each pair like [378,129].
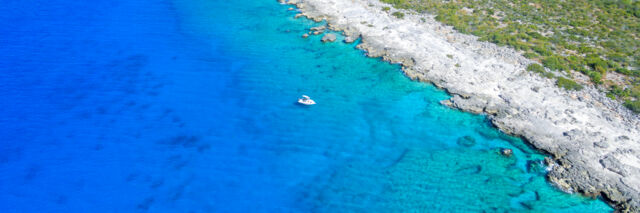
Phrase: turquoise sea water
[188,105]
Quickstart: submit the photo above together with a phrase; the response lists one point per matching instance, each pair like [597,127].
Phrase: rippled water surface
[188,105]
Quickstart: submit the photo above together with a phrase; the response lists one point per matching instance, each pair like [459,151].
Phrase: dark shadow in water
[184,140]
[146,203]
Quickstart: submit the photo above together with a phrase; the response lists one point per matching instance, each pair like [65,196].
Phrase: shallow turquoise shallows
[190,105]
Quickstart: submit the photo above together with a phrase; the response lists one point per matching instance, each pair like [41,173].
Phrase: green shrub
[601,70]
[542,50]
[530,55]
[394,2]
[568,84]
[633,105]
[596,77]
[554,63]
[398,14]
[635,92]
[575,62]
[624,71]
[386,8]
[595,61]
[617,57]
[535,35]
[537,68]
[619,92]
[586,50]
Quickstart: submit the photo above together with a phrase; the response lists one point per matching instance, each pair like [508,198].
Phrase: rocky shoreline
[594,141]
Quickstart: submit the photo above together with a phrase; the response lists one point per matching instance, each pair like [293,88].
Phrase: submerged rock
[330,37]
[475,169]
[466,141]
[506,152]
[535,166]
[305,35]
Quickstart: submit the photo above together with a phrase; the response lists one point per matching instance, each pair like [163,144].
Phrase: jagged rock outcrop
[329,37]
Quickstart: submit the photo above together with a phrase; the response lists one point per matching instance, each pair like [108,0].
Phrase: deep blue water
[188,105]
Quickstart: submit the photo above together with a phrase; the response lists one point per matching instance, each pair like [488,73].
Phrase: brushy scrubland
[592,37]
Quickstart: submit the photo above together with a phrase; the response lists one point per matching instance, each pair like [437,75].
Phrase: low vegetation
[595,38]
[398,14]
[568,84]
[633,105]
[537,68]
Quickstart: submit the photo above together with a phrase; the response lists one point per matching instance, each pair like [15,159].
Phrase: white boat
[305,100]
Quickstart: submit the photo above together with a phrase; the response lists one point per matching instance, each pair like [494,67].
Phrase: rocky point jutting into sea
[593,141]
